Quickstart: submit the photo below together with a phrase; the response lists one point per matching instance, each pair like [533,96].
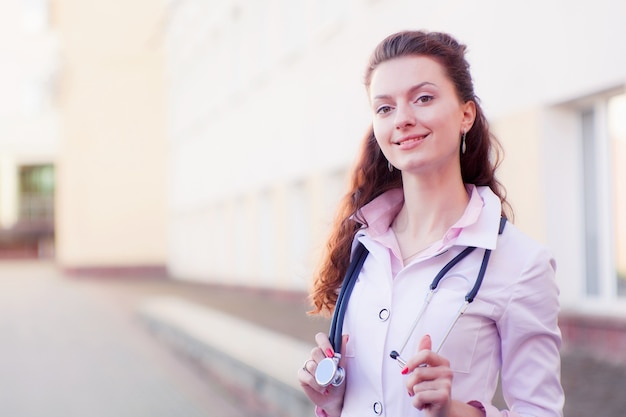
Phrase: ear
[469,115]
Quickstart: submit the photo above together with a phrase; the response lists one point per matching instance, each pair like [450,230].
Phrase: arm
[530,343]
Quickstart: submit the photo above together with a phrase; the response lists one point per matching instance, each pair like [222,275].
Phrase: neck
[430,208]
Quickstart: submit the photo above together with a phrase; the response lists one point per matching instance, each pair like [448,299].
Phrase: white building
[267,110]
[111,193]
[28,127]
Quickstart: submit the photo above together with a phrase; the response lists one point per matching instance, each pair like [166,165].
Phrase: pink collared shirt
[510,328]
[380,213]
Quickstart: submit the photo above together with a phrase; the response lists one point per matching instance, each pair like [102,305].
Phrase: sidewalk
[69,349]
[592,387]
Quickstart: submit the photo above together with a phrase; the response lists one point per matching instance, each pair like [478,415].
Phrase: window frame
[604,244]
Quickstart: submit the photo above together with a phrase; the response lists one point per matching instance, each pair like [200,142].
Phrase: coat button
[383,314]
[378,408]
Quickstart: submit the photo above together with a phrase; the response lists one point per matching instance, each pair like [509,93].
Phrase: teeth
[410,140]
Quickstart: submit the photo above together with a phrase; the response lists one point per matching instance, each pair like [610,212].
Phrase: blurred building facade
[267,111]
[213,139]
[110,197]
[29,128]
[82,134]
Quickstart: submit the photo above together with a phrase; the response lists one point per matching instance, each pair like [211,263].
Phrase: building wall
[28,76]
[112,162]
[267,110]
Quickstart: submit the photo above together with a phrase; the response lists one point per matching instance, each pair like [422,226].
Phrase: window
[33,98]
[36,193]
[298,234]
[35,15]
[267,238]
[603,125]
[617,149]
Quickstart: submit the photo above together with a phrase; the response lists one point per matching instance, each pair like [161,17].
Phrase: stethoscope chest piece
[329,372]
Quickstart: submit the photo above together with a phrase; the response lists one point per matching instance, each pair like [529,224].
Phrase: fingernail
[405,371]
[411,393]
[329,353]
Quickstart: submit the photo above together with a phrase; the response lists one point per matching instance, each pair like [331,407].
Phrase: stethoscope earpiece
[328,372]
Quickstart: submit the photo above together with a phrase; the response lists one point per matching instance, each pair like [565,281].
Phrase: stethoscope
[328,370]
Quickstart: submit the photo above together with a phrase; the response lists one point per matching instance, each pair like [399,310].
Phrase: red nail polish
[329,353]
[405,371]
[411,393]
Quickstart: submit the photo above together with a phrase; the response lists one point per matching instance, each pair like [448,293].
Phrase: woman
[423,190]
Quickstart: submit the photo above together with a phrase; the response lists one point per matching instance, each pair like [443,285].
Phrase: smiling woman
[418,118]
[424,202]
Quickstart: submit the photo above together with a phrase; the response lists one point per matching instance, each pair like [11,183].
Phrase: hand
[429,380]
[330,398]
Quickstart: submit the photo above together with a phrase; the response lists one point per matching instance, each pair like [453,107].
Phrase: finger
[433,399]
[421,358]
[425,356]
[308,383]
[323,343]
[425,343]
[430,377]
[310,366]
[317,354]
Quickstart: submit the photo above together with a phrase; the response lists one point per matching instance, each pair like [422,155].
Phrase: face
[417,115]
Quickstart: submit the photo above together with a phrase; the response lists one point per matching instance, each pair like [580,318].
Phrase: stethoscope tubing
[359,255]
[358,259]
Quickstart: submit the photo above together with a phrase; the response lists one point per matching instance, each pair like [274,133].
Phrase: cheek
[381,132]
[445,119]
[383,142]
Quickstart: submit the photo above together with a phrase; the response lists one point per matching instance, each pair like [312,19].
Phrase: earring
[463,146]
[389,166]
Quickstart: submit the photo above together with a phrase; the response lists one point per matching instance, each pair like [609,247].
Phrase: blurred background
[206,143]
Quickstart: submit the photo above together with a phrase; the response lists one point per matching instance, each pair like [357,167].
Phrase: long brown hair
[371,176]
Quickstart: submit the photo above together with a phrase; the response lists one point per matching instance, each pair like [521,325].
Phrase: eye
[424,99]
[383,109]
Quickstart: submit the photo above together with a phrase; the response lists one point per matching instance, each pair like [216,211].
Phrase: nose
[404,117]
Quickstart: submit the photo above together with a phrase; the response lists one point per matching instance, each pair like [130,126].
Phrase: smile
[408,140]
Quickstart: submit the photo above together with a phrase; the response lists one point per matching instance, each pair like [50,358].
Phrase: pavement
[71,349]
[239,348]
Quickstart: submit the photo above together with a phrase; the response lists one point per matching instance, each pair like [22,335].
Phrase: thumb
[425,343]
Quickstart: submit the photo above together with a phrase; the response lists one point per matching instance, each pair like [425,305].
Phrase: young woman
[424,190]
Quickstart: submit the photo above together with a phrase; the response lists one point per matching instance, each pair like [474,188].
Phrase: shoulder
[521,259]
[515,241]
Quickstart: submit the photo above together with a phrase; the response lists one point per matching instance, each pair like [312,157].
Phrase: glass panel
[590,202]
[299,233]
[617,137]
[267,239]
[34,15]
[36,194]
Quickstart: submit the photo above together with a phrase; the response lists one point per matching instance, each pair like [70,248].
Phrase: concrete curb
[241,355]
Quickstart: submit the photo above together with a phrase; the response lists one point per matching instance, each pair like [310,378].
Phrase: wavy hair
[371,177]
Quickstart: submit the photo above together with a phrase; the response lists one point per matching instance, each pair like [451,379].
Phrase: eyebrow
[410,91]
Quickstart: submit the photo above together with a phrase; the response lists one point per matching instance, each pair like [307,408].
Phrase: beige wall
[522,170]
[111,169]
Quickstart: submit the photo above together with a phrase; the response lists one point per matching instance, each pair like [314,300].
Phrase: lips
[408,140]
